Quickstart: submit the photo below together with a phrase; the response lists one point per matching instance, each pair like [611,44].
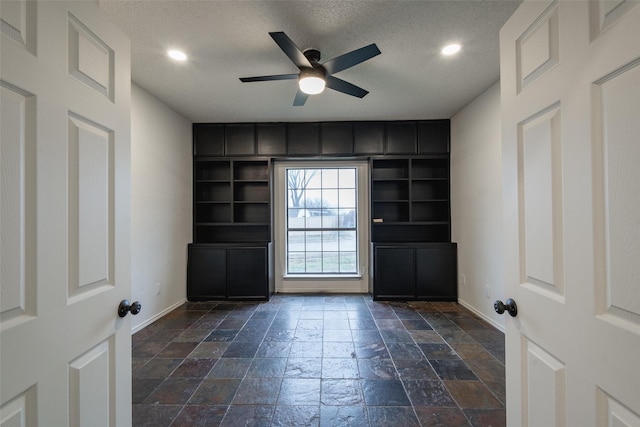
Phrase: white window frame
[338,283]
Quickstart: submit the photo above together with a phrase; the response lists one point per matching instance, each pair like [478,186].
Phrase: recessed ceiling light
[178,55]
[451,49]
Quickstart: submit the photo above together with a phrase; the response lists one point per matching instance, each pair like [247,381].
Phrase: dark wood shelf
[232,193]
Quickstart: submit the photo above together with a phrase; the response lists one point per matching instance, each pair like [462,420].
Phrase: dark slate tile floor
[313,360]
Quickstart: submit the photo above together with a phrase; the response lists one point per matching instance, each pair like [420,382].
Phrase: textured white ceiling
[226,40]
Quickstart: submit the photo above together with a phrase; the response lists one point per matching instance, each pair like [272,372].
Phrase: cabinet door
[206,273]
[336,139]
[394,273]
[248,273]
[208,140]
[271,139]
[303,139]
[433,137]
[368,138]
[240,140]
[401,138]
[436,272]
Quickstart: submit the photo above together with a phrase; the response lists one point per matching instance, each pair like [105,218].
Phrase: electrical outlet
[487,291]
[157,288]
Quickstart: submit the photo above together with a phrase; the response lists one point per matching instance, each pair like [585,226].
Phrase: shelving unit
[410,199]
[413,257]
[232,201]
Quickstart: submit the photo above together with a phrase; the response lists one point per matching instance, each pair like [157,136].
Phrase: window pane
[329,198]
[312,198]
[348,240]
[314,240]
[313,178]
[329,178]
[314,262]
[329,240]
[321,220]
[329,219]
[347,178]
[348,262]
[330,262]
[347,198]
[295,242]
[296,262]
[347,218]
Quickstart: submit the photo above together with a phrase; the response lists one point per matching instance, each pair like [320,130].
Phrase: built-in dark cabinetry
[410,199]
[229,271]
[231,225]
[423,271]
[231,200]
[412,254]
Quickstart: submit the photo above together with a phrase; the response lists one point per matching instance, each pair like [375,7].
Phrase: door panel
[247,273]
[394,269]
[65,215]
[570,89]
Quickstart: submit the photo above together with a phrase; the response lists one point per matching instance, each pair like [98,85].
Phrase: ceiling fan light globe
[311,85]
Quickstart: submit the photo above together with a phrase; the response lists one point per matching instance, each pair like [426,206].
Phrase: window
[321,221]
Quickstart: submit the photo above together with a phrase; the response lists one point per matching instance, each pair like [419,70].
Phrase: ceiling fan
[313,76]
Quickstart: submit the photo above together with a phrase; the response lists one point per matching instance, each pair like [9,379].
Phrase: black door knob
[509,306]
[126,307]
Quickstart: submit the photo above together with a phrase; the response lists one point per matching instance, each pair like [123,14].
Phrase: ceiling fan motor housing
[313,55]
[317,71]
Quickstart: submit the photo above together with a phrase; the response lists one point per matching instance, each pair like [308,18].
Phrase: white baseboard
[157,316]
[481,315]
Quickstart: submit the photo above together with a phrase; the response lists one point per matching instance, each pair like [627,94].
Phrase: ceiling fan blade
[269,78]
[345,87]
[290,49]
[350,59]
[300,98]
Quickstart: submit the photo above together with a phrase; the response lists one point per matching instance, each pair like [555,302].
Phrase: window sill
[322,276]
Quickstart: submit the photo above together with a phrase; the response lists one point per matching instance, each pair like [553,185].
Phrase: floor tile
[441,416]
[194,368]
[287,416]
[352,416]
[339,368]
[258,391]
[158,368]
[200,415]
[328,360]
[341,393]
[299,391]
[173,391]
[230,368]
[154,415]
[452,369]
[412,369]
[143,387]
[304,367]
[381,416]
[384,393]
[241,349]
[377,369]
[216,391]
[472,394]
[428,393]
[248,415]
[273,367]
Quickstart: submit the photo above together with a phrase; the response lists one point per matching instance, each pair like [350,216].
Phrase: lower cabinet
[229,271]
[415,271]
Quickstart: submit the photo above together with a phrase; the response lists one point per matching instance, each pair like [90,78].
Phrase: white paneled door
[570,82]
[65,355]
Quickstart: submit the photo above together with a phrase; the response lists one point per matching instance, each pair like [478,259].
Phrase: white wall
[476,203]
[161,195]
